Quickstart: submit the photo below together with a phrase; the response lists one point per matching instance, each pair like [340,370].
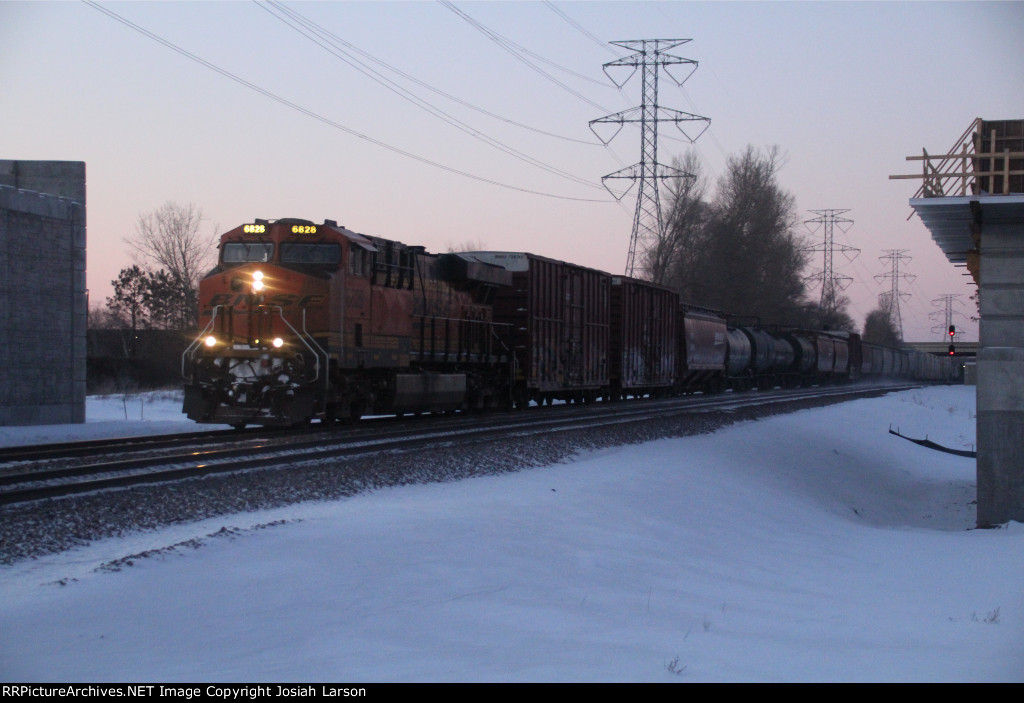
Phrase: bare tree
[879,327]
[103,318]
[170,236]
[813,316]
[740,253]
[684,219]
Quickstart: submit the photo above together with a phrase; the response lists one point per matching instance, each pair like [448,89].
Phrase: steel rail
[48,483]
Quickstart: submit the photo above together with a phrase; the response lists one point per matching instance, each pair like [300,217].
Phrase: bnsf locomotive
[302,321]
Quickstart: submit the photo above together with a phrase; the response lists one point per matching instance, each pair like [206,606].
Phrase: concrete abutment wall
[1001,371]
[43,295]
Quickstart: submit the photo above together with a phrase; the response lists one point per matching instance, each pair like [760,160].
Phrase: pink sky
[847,90]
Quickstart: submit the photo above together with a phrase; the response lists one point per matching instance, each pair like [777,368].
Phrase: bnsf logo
[283,300]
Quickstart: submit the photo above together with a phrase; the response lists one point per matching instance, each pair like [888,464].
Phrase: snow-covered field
[809,546]
[128,415]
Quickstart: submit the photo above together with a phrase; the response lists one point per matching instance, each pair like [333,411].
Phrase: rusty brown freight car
[643,338]
[561,315]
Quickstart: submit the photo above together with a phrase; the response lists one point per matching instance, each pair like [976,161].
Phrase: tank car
[831,353]
[302,321]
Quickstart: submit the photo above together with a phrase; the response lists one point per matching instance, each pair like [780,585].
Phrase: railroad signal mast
[649,55]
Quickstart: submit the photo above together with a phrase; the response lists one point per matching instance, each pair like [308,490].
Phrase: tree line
[739,249]
[161,290]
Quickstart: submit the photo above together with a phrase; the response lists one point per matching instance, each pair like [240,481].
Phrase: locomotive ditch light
[278,342]
[210,341]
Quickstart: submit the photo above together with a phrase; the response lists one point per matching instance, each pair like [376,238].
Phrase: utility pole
[896,257]
[831,282]
[649,55]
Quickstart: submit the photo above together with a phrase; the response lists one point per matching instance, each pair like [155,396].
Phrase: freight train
[303,321]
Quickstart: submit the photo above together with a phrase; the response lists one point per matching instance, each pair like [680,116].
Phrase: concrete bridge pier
[1001,365]
[972,201]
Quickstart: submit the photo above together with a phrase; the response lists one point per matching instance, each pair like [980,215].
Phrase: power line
[831,282]
[334,39]
[580,28]
[649,55]
[892,298]
[517,52]
[947,301]
[387,83]
[513,47]
[316,116]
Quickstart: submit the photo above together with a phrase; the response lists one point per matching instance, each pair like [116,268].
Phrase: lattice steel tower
[649,56]
[831,282]
[947,302]
[896,257]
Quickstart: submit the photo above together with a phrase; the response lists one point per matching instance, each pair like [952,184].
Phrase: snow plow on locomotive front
[260,356]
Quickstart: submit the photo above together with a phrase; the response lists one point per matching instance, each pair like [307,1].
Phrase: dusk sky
[846,91]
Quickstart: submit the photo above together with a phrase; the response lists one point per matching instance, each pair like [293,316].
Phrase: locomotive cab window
[241,252]
[303,253]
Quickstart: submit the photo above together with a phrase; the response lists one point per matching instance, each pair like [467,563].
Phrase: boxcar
[561,315]
[642,344]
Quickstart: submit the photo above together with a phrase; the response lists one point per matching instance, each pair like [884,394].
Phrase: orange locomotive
[303,321]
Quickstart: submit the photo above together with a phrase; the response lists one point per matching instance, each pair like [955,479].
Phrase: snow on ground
[809,546]
[106,416]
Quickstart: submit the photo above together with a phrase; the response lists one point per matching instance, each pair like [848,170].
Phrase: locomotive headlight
[278,342]
[257,286]
[257,281]
[210,341]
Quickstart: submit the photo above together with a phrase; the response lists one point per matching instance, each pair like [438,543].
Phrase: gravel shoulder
[51,526]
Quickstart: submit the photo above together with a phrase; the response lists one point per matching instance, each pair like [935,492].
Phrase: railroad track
[50,474]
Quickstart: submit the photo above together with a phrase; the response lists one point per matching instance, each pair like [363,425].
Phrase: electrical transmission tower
[831,282]
[649,55]
[946,301]
[893,297]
